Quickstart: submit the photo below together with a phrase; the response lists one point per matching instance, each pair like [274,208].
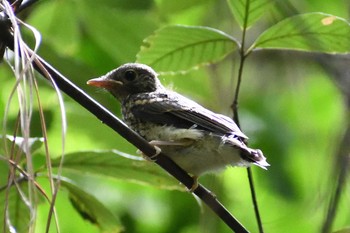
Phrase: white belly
[204,156]
[203,153]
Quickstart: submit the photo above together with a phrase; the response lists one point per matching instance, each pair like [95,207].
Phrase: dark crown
[135,78]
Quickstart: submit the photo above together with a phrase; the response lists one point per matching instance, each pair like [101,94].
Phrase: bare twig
[234,106]
[338,69]
[25,5]
[236,119]
[23,178]
[341,170]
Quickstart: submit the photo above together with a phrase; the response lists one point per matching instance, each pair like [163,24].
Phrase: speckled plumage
[196,138]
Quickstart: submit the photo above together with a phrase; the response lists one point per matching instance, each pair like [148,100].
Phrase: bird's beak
[104,83]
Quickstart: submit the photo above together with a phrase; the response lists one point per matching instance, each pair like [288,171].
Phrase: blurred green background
[290,107]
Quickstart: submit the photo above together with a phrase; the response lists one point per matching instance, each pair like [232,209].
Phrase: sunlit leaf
[91,209]
[316,32]
[181,48]
[33,143]
[115,30]
[60,27]
[247,12]
[114,164]
[173,7]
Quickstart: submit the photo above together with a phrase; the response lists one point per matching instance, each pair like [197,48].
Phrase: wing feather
[174,109]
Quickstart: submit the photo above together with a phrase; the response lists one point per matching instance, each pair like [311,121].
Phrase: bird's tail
[254,156]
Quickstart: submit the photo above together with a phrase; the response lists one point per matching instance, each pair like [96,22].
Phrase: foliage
[179,48]
[289,106]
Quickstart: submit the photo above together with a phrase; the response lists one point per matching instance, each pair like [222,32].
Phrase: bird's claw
[154,157]
[194,185]
[151,158]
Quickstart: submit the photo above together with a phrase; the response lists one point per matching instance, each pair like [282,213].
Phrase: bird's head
[130,78]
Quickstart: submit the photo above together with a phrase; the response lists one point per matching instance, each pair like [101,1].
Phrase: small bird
[195,138]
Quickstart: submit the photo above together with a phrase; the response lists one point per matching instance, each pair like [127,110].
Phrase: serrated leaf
[181,48]
[91,209]
[314,32]
[247,12]
[114,164]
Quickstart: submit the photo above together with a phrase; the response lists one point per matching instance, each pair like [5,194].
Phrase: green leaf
[34,144]
[168,8]
[116,31]
[61,26]
[114,164]
[247,12]
[17,209]
[91,209]
[181,48]
[314,32]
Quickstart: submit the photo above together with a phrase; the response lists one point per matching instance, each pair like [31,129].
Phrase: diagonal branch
[48,72]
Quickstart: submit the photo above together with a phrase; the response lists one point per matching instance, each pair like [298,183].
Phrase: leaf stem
[341,172]
[243,56]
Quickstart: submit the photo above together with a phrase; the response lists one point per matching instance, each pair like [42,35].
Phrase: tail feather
[255,157]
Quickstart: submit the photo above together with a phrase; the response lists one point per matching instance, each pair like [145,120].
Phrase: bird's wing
[177,110]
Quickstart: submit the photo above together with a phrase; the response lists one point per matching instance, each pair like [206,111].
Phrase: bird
[195,138]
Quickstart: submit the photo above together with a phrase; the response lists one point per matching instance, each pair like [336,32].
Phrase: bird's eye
[130,75]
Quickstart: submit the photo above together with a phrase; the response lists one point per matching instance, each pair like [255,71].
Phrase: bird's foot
[151,158]
[157,144]
[184,142]
[194,185]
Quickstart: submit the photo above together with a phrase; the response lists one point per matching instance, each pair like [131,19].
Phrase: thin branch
[25,5]
[338,69]
[341,170]
[25,177]
[117,125]
[54,188]
[236,119]
[234,106]
[12,172]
